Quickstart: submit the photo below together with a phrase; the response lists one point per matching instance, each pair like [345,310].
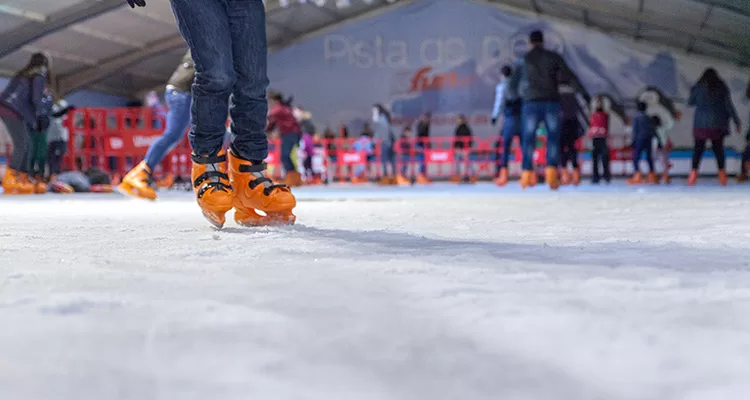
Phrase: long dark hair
[712,82]
[38,65]
[381,109]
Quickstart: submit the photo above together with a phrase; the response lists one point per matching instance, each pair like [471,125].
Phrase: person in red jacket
[281,118]
[599,132]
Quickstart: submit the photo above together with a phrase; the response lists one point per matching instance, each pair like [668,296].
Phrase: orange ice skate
[254,192]
[552,178]
[577,176]
[293,179]
[534,178]
[565,177]
[526,179]
[212,188]
[401,180]
[423,180]
[502,179]
[693,178]
[637,179]
[386,180]
[166,182]
[137,183]
[723,177]
[40,186]
[652,178]
[358,180]
[14,183]
[455,179]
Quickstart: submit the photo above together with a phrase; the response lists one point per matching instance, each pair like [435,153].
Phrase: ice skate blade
[216,220]
[129,191]
[253,219]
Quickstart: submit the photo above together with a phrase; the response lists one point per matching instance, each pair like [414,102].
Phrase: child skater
[599,132]
[644,133]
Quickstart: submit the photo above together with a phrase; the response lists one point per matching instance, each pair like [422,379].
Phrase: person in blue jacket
[644,132]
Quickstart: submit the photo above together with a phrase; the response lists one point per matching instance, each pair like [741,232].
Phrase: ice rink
[446,292]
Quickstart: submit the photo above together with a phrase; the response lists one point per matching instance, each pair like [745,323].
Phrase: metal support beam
[730,39]
[33,29]
[637,34]
[87,76]
[694,39]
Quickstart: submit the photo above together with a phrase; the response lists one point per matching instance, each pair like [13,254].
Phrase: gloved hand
[139,3]
[494,121]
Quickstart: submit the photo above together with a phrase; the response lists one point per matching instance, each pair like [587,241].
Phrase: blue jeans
[388,156]
[178,119]
[641,147]
[535,112]
[227,39]
[511,129]
[288,141]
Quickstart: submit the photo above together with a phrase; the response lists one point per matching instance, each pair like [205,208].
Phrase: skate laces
[212,178]
[256,171]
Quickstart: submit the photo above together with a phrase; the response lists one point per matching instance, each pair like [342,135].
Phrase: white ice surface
[445,293]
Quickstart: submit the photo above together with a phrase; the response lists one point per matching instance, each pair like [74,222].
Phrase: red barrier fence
[116,139]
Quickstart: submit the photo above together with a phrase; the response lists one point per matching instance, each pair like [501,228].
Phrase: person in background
[713,111]
[599,133]
[510,109]
[745,161]
[462,146]
[644,133]
[383,135]
[304,118]
[407,148]
[367,129]
[57,138]
[362,145]
[540,70]
[139,182]
[281,118]
[570,132]
[23,110]
[38,156]
[422,144]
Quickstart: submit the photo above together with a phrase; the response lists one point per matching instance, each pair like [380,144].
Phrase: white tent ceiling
[104,45]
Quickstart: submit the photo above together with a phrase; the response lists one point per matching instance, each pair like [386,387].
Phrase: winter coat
[183,76]
[25,95]
[282,118]
[540,71]
[599,124]
[382,131]
[643,128]
[712,111]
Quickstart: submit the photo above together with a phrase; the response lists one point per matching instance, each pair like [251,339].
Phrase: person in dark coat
[713,111]
[23,109]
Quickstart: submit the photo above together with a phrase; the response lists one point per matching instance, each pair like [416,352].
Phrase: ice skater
[540,70]
[139,182]
[661,107]
[227,40]
[510,108]
[644,133]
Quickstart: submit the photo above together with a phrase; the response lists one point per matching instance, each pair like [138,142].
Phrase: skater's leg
[649,157]
[533,114]
[718,148]
[205,26]
[596,154]
[287,146]
[55,151]
[247,26]
[552,122]
[15,181]
[605,160]
[698,149]
[178,119]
